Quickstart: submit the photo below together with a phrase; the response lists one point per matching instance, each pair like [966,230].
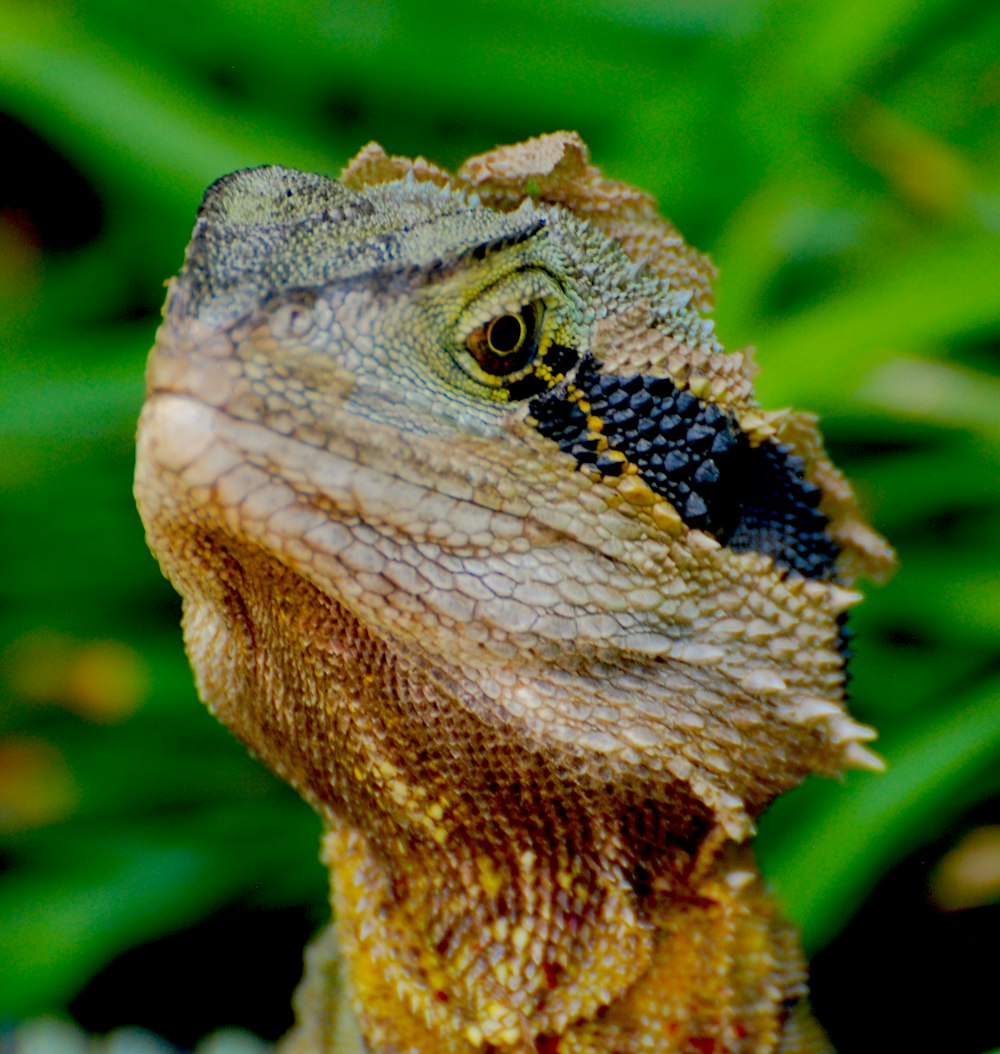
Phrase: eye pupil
[508,342]
[506,334]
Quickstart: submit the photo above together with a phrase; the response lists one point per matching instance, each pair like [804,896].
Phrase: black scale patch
[696,456]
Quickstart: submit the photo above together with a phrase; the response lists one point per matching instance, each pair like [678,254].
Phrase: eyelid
[485,313]
[507,295]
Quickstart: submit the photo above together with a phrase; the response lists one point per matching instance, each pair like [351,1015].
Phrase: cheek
[691,452]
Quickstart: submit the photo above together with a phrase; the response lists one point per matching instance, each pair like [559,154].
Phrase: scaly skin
[486,547]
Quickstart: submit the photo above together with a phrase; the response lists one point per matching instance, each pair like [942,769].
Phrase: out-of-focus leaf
[822,869]
[949,93]
[129,120]
[937,393]
[804,53]
[57,397]
[965,473]
[824,355]
[122,886]
[953,600]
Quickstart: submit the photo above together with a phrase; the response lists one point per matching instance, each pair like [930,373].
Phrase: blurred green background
[840,161]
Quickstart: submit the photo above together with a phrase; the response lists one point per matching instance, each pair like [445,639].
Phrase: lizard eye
[508,342]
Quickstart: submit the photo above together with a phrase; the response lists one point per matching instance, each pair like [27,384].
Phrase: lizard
[486,547]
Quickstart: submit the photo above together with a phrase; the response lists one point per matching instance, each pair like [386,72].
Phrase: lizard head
[486,418]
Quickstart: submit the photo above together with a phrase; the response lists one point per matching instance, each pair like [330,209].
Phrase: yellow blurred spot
[474,1034]
[969,875]
[102,680]
[491,879]
[496,1010]
[36,787]
[929,174]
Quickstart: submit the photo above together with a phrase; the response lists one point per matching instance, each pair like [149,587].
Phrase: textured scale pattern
[695,456]
[487,548]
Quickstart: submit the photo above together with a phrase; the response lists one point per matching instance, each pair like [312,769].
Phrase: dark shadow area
[906,975]
[238,968]
[44,194]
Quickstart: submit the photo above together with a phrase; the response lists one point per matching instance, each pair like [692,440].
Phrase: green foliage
[841,162]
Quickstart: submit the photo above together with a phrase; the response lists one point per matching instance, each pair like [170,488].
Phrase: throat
[538,950]
[501,947]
